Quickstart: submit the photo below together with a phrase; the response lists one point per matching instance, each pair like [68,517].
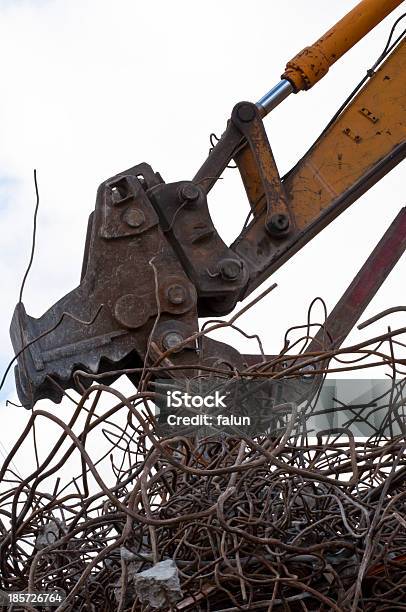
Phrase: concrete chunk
[159,585]
[50,533]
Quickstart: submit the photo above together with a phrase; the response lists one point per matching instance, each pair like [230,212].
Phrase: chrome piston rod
[274,97]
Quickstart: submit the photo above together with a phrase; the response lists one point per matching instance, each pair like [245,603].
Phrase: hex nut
[171,340]
[307,371]
[176,294]
[278,223]
[230,269]
[189,192]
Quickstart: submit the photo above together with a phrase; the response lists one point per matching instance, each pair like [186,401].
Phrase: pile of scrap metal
[217,524]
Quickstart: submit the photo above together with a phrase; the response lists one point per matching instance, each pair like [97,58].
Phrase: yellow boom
[311,64]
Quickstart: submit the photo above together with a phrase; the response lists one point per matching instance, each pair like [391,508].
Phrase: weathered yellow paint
[368,130]
[312,63]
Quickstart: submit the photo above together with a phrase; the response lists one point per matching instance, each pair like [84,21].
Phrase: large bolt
[176,294]
[131,311]
[171,340]
[230,269]
[189,192]
[307,371]
[246,112]
[134,217]
[278,223]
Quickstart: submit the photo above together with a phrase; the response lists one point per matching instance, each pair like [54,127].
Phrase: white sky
[92,87]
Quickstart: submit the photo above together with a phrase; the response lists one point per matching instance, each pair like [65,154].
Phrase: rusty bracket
[278,218]
[217,273]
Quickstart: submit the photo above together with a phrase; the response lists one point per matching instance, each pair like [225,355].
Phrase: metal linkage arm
[364,143]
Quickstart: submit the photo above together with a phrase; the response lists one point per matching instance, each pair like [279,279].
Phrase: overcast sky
[92,87]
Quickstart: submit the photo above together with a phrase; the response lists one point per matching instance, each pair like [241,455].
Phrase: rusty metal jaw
[130,275]
[143,285]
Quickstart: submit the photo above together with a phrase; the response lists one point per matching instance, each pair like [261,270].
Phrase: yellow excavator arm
[311,64]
